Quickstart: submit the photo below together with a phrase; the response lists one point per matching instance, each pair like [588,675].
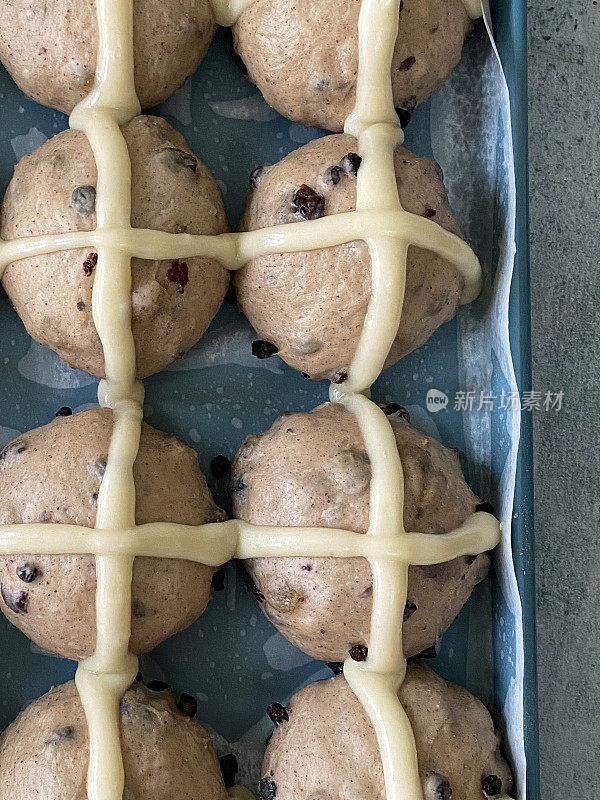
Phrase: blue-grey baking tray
[232,659]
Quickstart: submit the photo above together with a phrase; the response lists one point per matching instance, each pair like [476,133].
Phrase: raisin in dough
[52,191]
[44,753]
[312,305]
[50,49]
[52,474]
[328,749]
[303,54]
[313,469]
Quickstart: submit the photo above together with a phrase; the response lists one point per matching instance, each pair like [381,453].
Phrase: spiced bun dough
[173,302]
[50,49]
[312,469]
[311,305]
[166,754]
[53,474]
[327,747]
[303,55]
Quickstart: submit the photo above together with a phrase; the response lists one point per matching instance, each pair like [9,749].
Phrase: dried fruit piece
[405,65]
[256,176]
[238,484]
[178,273]
[337,667]
[308,204]
[267,789]
[437,787]
[429,212]
[333,175]
[90,263]
[277,713]
[17,603]
[350,163]
[187,704]
[491,785]
[27,573]
[409,610]
[60,735]
[83,200]
[396,408]
[14,448]
[263,349]
[359,652]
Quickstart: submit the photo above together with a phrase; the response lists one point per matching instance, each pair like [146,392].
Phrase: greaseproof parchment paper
[472,139]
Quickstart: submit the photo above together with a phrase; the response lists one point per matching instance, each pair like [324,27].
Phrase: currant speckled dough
[312,469]
[312,305]
[52,474]
[328,747]
[50,49]
[166,754]
[303,54]
[173,302]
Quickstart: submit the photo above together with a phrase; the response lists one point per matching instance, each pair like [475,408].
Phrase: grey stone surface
[564,106]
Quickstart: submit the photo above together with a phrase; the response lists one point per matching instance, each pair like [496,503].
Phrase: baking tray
[232,658]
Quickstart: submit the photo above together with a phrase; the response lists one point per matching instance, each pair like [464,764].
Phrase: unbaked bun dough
[303,54]
[311,305]
[53,191]
[52,474]
[166,754]
[328,749]
[50,49]
[312,469]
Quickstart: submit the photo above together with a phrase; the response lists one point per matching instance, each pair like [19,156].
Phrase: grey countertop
[564,108]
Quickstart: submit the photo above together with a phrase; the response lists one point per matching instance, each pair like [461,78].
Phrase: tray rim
[510,30]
